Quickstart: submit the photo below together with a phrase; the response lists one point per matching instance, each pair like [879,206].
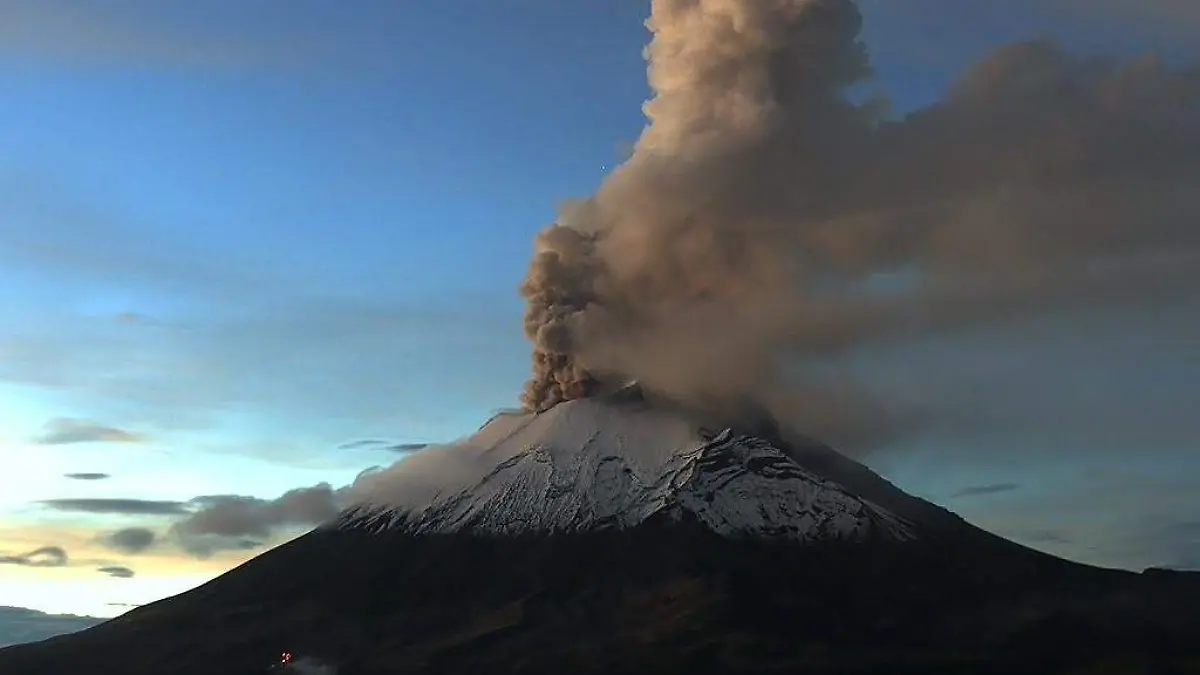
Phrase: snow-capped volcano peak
[617,463]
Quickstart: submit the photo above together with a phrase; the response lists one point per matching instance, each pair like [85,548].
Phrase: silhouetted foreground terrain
[658,598]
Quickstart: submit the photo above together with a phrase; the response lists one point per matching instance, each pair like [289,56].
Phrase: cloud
[1045,536]
[134,319]
[295,345]
[1181,545]
[207,524]
[1178,15]
[137,34]
[368,443]
[282,357]
[1108,25]
[376,444]
[87,476]
[19,625]
[46,556]
[1034,536]
[408,447]
[117,571]
[239,522]
[119,506]
[990,489]
[130,540]
[1137,529]
[67,431]
[421,478]
[370,470]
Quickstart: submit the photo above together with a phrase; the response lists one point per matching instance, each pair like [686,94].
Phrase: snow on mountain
[602,463]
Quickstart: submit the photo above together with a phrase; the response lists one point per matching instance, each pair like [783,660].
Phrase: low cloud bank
[19,625]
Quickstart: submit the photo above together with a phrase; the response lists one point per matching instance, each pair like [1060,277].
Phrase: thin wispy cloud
[91,35]
[69,431]
[46,556]
[1177,543]
[293,345]
[138,507]
[408,447]
[87,476]
[364,444]
[133,319]
[1175,14]
[309,358]
[375,444]
[991,489]
[117,571]
[1045,536]
[290,346]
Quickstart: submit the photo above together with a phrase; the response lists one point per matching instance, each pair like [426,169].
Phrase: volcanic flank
[598,463]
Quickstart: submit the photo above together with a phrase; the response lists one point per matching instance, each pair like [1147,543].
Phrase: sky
[248,252]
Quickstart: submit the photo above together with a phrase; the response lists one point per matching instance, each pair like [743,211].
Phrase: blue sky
[234,239]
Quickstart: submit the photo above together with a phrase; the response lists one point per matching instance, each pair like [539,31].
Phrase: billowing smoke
[769,221]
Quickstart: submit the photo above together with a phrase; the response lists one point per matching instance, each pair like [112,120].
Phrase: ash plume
[768,222]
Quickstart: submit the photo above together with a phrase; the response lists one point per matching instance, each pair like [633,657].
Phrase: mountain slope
[592,464]
[612,536]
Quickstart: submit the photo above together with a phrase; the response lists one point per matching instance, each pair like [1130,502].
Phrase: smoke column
[766,222]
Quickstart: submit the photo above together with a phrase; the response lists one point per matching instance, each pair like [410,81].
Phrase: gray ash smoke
[557,288]
[751,233]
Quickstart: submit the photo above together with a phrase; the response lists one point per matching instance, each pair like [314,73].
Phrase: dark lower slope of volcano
[660,598]
[612,535]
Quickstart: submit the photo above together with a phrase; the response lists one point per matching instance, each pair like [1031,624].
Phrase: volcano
[618,535]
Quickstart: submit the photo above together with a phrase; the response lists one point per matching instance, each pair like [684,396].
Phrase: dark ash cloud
[117,571]
[769,226]
[991,489]
[119,506]
[68,431]
[87,476]
[46,556]
[130,540]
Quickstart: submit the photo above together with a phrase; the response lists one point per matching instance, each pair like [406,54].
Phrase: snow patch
[592,464]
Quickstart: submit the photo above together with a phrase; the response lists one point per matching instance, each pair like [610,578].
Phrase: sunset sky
[252,247]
